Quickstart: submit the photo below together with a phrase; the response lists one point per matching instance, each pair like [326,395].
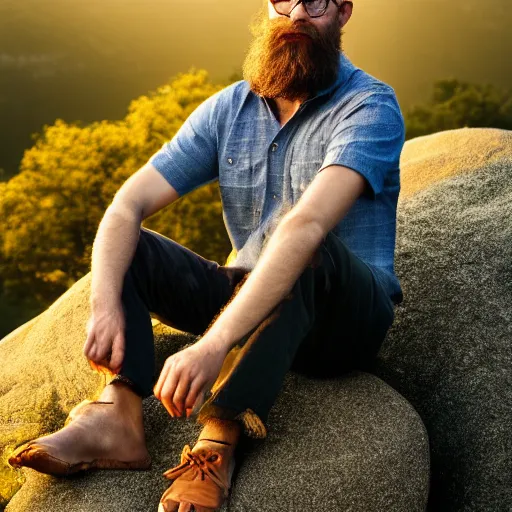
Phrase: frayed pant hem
[252,424]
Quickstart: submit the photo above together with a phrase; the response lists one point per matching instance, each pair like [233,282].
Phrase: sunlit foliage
[455,104]
[52,208]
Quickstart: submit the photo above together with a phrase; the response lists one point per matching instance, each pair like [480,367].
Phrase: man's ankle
[128,383]
[226,431]
[120,394]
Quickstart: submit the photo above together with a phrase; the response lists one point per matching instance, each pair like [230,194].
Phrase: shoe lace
[204,463]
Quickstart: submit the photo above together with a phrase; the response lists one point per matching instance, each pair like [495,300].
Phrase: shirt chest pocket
[241,189]
[304,166]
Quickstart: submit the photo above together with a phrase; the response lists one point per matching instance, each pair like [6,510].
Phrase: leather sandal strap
[214,441]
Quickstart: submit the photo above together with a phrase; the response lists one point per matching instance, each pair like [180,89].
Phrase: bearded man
[306,150]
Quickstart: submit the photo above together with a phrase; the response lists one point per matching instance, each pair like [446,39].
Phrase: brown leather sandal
[35,456]
[203,478]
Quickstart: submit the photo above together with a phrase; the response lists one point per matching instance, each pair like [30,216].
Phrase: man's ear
[345,12]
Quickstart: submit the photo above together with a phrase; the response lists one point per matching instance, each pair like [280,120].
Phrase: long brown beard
[291,60]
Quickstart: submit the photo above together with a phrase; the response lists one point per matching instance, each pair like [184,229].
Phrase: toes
[185,507]
[21,455]
[36,457]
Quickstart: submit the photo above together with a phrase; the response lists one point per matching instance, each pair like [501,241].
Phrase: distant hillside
[86,60]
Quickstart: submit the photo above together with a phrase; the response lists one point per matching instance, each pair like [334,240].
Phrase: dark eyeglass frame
[274,2]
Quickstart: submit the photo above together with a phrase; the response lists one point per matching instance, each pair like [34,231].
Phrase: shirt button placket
[273,148]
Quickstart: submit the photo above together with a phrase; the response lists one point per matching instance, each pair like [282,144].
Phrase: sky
[87,60]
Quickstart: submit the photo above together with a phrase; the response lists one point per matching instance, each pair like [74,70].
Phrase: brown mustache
[280,28]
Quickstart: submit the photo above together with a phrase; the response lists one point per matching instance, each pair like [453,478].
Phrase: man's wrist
[102,299]
[218,339]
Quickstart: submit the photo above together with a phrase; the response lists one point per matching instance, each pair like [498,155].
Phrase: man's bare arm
[325,202]
[143,194]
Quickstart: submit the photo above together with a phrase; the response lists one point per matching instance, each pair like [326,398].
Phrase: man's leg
[185,291]
[334,321]
[336,310]
[176,285]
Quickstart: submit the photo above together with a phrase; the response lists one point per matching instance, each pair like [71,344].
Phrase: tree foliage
[455,104]
[52,208]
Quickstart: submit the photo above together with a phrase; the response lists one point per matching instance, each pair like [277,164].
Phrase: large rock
[433,158]
[449,351]
[347,444]
[351,443]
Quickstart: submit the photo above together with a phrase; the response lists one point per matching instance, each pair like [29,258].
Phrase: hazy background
[86,60]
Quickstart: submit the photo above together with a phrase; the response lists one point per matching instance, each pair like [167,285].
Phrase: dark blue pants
[334,320]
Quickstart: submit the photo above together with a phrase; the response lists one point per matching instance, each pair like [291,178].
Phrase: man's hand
[187,376]
[104,347]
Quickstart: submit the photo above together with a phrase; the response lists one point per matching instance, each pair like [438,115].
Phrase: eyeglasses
[314,8]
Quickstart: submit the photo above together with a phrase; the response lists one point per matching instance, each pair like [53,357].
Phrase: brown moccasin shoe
[203,478]
[35,455]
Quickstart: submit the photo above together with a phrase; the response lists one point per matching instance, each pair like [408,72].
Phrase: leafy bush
[455,104]
[52,208]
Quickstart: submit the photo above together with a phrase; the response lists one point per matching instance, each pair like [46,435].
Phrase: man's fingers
[88,343]
[193,393]
[198,403]
[103,350]
[93,365]
[181,393]
[116,359]
[97,367]
[167,392]
[157,390]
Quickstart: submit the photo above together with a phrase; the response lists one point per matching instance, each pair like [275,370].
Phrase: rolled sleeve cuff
[364,166]
[174,176]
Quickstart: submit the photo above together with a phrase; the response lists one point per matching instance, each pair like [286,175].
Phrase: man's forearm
[287,255]
[113,250]
[322,206]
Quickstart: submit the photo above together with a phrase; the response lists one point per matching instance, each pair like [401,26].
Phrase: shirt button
[274,146]
[230,161]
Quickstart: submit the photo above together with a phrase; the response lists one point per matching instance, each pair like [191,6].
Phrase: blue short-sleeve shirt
[264,168]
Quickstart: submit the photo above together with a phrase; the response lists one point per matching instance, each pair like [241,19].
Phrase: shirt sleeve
[190,160]
[369,140]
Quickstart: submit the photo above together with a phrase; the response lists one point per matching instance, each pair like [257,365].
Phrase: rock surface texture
[449,351]
[351,444]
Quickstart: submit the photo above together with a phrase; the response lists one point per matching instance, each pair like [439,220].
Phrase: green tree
[52,208]
[456,104]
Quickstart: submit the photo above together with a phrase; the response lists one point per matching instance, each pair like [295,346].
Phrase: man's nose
[299,13]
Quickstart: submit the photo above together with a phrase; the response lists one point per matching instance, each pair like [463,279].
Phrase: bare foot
[203,479]
[97,432]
